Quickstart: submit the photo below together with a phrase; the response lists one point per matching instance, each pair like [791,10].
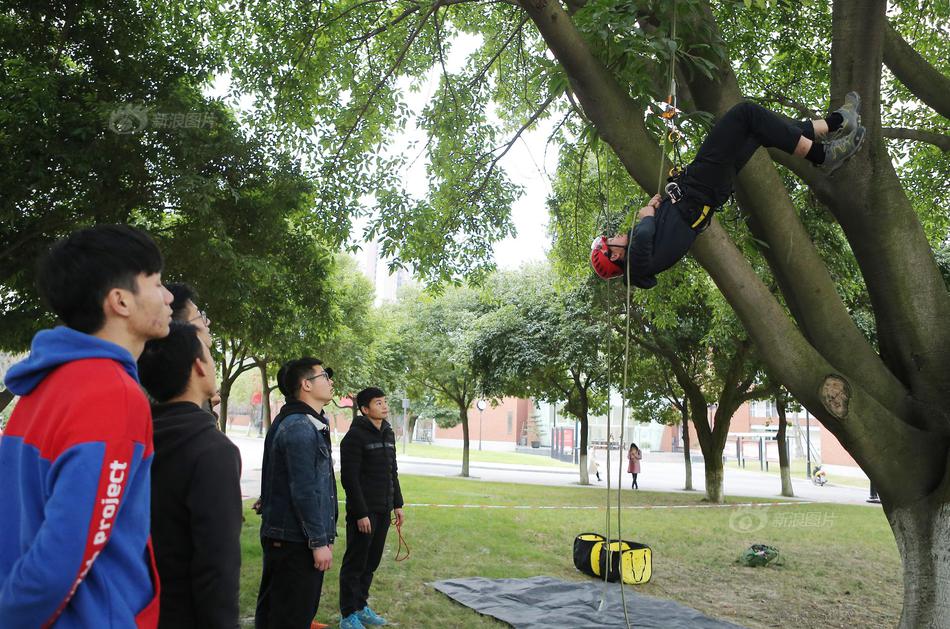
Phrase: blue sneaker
[368,617]
[351,622]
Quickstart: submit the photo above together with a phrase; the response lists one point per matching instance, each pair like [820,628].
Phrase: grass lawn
[485,456]
[797,468]
[841,567]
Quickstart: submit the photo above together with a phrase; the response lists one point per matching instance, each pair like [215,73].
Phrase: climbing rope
[667,111]
[402,540]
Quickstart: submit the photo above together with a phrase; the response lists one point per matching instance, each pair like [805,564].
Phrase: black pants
[634,484]
[731,143]
[363,553]
[290,586]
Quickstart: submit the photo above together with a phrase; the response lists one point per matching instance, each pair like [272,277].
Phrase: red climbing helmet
[604,267]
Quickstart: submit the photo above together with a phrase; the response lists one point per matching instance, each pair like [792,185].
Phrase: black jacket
[368,469]
[658,242]
[196,518]
[298,488]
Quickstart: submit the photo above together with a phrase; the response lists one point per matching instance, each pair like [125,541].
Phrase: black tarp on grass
[544,602]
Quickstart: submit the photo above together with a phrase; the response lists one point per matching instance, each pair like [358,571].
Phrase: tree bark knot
[835,395]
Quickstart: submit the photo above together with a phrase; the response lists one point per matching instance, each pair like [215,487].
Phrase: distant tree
[436,336]
[547,344]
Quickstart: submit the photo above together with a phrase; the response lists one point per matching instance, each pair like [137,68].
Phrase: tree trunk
[712,443]
[714,477]
[463,417]
[687,458]
[783,463]
[233,364]
[412,419]
[922,531]
[265,396]
[582,418]
[225,392]
[6,396]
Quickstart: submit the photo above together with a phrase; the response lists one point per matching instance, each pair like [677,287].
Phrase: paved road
[661,472]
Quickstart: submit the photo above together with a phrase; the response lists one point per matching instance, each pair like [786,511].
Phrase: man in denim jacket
[298,499]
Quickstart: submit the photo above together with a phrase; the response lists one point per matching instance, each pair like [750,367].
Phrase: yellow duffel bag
[628,560]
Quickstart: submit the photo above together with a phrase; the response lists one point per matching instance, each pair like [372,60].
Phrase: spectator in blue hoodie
[75,458]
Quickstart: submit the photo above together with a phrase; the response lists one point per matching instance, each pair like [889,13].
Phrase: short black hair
[182,294]
[80,270]
[165,363]
[292,372]
[367,395]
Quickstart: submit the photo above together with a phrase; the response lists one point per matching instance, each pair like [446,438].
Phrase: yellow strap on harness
[702,217]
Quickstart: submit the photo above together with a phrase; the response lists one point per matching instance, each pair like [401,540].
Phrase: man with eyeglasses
[298,499]
[185,310]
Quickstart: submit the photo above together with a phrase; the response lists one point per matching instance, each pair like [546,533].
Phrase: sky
[525,164]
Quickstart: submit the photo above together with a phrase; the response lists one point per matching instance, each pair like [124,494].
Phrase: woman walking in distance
[633,463]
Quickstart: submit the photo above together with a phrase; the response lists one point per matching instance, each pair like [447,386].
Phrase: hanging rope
[668,111]
[603,595]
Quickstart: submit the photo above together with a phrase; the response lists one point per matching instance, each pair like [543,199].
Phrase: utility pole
[808,442]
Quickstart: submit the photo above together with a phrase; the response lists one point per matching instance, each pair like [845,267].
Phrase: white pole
[405,422]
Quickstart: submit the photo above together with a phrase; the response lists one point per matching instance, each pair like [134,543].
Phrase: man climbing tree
[669,224]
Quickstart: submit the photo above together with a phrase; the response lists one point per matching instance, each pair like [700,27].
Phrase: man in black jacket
[298,499]
[196,486]
[371,482]
[668,225]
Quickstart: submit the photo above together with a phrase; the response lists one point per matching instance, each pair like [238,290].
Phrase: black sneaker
[837,152]
[851,118]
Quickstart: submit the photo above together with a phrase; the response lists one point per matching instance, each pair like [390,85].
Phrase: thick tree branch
[857,42]
[907,290]
[795,363]
[800,271]
[918,135]
[925,81]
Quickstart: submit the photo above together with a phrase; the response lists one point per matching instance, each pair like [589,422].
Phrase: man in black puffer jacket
[370,479]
